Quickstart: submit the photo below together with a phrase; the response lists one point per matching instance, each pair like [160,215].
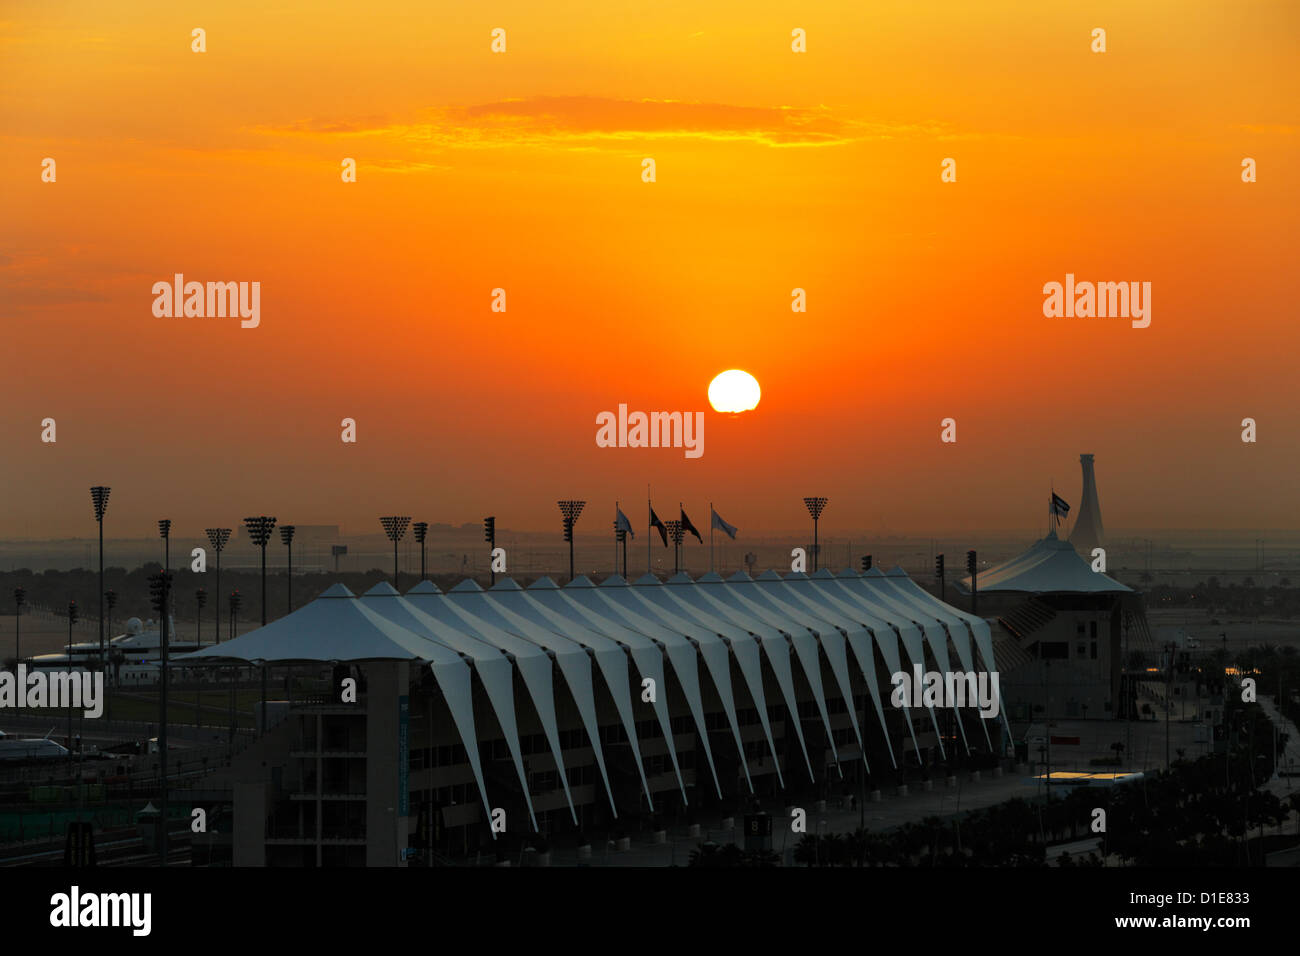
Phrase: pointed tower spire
[1088,533]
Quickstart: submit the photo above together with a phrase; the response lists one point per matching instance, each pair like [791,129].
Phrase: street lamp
[815,507]
[421,530]
[286,536]
[99,497]
[217,538]
[570,509]
[395,528]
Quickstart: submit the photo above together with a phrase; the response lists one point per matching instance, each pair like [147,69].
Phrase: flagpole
[710,537]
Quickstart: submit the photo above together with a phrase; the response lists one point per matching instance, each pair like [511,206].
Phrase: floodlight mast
[99,497]
[395,528]
[259,530]
[421,531]
[570,509]
[217,538]
[815,507]
[286,536]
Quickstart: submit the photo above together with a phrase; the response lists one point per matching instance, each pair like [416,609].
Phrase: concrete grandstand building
[584,706]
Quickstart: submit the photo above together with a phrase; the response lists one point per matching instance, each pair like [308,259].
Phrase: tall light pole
[99,497]
[675,533]
[110,599]
[815,507]
[217,538]
[259,530]
[200,599]
[286,536]
[421,530]
[159,591]
[20,597]
[490,536]
[395,528]
[165,532]
[235,601]
[72,619]
[570,509]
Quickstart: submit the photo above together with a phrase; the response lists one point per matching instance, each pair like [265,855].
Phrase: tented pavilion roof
[629,632]
[1049,566]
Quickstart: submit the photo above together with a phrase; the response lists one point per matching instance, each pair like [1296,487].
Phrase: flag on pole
[687,526]
[1058,508]
[621,523]
[728,529]
[656,523]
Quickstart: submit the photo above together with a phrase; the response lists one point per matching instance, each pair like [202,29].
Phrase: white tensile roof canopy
[1049,566]
[689,629]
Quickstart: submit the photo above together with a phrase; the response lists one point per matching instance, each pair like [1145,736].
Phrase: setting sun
[734,391]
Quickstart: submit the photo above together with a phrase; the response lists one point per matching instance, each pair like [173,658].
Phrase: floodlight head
[200,597]
[395,526]
[421,530]
[259,529]
[20,596]
[571,508]
[674,530]
[110,598]
[286,534]
[217,537]
[99,495]
[165,528]
[815,506]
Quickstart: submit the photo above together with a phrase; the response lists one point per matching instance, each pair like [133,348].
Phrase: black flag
[656,523]
[687,526]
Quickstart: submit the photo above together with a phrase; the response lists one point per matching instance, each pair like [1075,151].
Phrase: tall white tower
[1088,533]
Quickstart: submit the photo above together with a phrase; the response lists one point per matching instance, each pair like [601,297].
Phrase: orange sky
[522,171]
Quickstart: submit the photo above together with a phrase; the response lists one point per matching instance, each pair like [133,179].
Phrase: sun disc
[734,391]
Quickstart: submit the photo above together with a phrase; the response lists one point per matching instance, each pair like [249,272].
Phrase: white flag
[728,529]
